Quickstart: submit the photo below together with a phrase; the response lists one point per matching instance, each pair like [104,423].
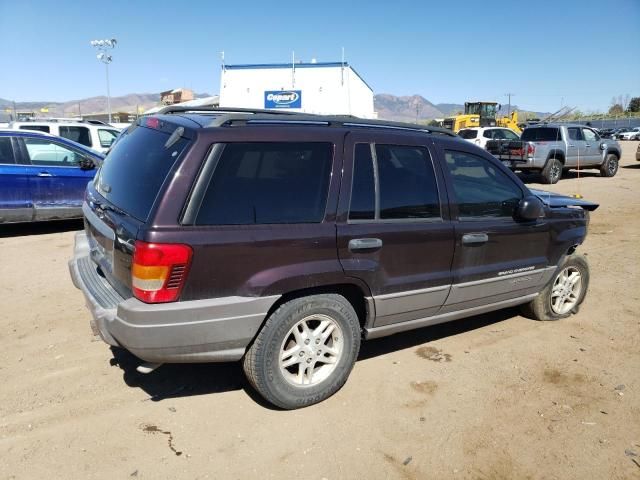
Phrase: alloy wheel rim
[613,166]
[555,172]
[311,350]
[566,290]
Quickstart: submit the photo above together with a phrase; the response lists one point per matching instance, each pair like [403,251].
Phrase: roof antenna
[293,69]
[342,68]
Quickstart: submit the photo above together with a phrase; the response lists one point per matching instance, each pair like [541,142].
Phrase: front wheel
[610,166]
[564,293]
[305,351]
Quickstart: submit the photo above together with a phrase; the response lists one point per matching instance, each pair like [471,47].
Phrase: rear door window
[541,134]
[489,134]
[403,179]
[6,151]
[575,133]
[135,169]
[77,134]
[268,183]
[407,183]
[363,192]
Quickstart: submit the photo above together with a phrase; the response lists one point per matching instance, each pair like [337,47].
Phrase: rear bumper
[212,330]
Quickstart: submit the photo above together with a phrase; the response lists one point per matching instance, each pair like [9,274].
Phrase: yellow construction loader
[482,114]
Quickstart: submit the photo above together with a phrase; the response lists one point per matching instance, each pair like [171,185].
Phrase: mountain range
[389,107]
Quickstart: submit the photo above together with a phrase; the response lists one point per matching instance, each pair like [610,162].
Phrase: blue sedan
[43,177]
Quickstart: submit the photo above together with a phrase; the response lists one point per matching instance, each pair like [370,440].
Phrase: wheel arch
[356,293]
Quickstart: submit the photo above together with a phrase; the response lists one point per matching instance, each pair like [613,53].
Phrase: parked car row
[98,136]
[626,133]
[42,176]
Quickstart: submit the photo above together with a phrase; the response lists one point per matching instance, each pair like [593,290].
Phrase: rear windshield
[541,134]
[468,134]
[135,169]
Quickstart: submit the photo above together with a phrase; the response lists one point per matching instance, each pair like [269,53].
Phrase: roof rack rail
[216,110]
[242,116]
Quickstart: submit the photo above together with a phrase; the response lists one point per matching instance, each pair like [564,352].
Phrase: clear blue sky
[580,52]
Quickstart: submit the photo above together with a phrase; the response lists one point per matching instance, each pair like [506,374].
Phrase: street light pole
[102,46]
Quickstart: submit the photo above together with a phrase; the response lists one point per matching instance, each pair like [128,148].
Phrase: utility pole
[102,46]
[509,95]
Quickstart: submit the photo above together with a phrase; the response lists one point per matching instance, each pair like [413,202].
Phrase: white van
[99,137]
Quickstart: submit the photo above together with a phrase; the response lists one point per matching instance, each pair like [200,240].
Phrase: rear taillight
[531,149]
[159,270]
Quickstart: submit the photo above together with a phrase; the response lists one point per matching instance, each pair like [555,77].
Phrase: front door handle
[365,244]
[44,174]
[475,238]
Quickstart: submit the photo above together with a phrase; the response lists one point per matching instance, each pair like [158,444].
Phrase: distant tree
[616,109]
[634,105]
[434,123]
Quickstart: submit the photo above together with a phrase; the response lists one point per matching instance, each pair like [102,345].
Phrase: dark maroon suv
[283,240]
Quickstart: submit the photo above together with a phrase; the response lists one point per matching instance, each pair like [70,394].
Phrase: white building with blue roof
[329,88]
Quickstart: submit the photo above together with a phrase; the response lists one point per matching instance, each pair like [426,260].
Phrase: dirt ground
[495,396]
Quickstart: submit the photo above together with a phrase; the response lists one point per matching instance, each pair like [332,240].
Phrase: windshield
[135,169]
[485,110]
[488,111]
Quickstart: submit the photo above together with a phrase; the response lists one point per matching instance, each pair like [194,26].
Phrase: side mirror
[86,163]
[530,208]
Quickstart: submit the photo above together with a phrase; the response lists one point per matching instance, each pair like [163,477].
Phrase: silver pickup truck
[553,148]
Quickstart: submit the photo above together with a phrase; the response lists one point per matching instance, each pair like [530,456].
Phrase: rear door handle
[44,174]
[365,244]
[475,238]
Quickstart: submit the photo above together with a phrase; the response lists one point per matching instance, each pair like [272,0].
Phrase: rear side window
[488,134]
[37,128]
[468,134]
[136,168]
[480,189]
[77,134]
[541,134]
[268,183]
[6,151]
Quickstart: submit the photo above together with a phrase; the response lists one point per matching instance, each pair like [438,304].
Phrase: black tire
[610,166]
[541,308]
[552,171]
[262,360]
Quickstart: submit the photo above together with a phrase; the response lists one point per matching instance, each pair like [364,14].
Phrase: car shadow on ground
[184,380]
[39,228]
[572,174]
[635,166]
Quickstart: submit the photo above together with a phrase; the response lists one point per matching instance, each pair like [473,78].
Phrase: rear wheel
[610,166]
[305,351]
[564,293]
[552,171]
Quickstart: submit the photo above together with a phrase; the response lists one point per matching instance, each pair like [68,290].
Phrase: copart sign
[283,99]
